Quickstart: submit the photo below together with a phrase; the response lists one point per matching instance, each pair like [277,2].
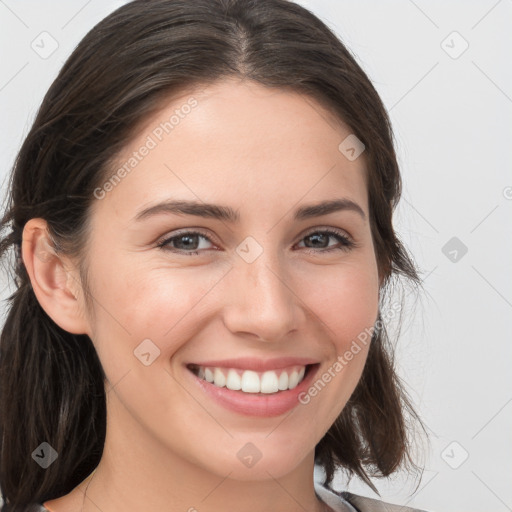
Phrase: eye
[184,242]
[320,238]
[189,242]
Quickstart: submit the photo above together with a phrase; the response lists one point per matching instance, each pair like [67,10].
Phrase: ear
[55,282]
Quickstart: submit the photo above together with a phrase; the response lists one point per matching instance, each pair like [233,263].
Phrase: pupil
[190,241]
[317,236]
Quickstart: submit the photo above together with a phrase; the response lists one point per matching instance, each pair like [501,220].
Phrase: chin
[253,461]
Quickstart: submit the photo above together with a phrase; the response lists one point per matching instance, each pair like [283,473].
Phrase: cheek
[164,305]
[345,299]
[346,305]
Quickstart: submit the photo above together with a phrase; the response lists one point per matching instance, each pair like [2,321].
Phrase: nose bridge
[261,300]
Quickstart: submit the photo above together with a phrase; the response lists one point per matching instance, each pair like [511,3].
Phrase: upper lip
[255,364]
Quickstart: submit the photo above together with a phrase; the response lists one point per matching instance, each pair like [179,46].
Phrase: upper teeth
[253,382]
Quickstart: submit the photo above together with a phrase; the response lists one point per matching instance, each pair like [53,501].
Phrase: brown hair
[51,381]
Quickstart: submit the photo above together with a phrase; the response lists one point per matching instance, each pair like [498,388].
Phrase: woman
[202,219]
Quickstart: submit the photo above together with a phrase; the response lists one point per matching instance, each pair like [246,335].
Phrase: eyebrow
[226,213]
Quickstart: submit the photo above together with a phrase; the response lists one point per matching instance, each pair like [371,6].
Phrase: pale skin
[264,153]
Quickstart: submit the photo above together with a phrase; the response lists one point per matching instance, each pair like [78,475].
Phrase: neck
[142,475]
[265,496]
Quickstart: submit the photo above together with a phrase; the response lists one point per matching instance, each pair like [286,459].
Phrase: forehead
[239,143]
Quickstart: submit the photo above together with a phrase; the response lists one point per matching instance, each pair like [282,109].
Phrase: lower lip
[257,404]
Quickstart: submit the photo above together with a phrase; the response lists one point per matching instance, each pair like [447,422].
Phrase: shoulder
[363,504]
[344,501]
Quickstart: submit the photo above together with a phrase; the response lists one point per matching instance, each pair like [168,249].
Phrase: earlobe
[56,287]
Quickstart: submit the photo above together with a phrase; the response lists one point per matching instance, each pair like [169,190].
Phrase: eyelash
[347,243]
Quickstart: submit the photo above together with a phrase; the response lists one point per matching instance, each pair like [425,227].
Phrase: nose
[262,303]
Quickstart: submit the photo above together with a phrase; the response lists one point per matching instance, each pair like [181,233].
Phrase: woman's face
[251,272]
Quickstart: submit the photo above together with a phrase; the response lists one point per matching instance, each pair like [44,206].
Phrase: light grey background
[452,115]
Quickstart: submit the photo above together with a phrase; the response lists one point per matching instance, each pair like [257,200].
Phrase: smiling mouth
[248,381]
